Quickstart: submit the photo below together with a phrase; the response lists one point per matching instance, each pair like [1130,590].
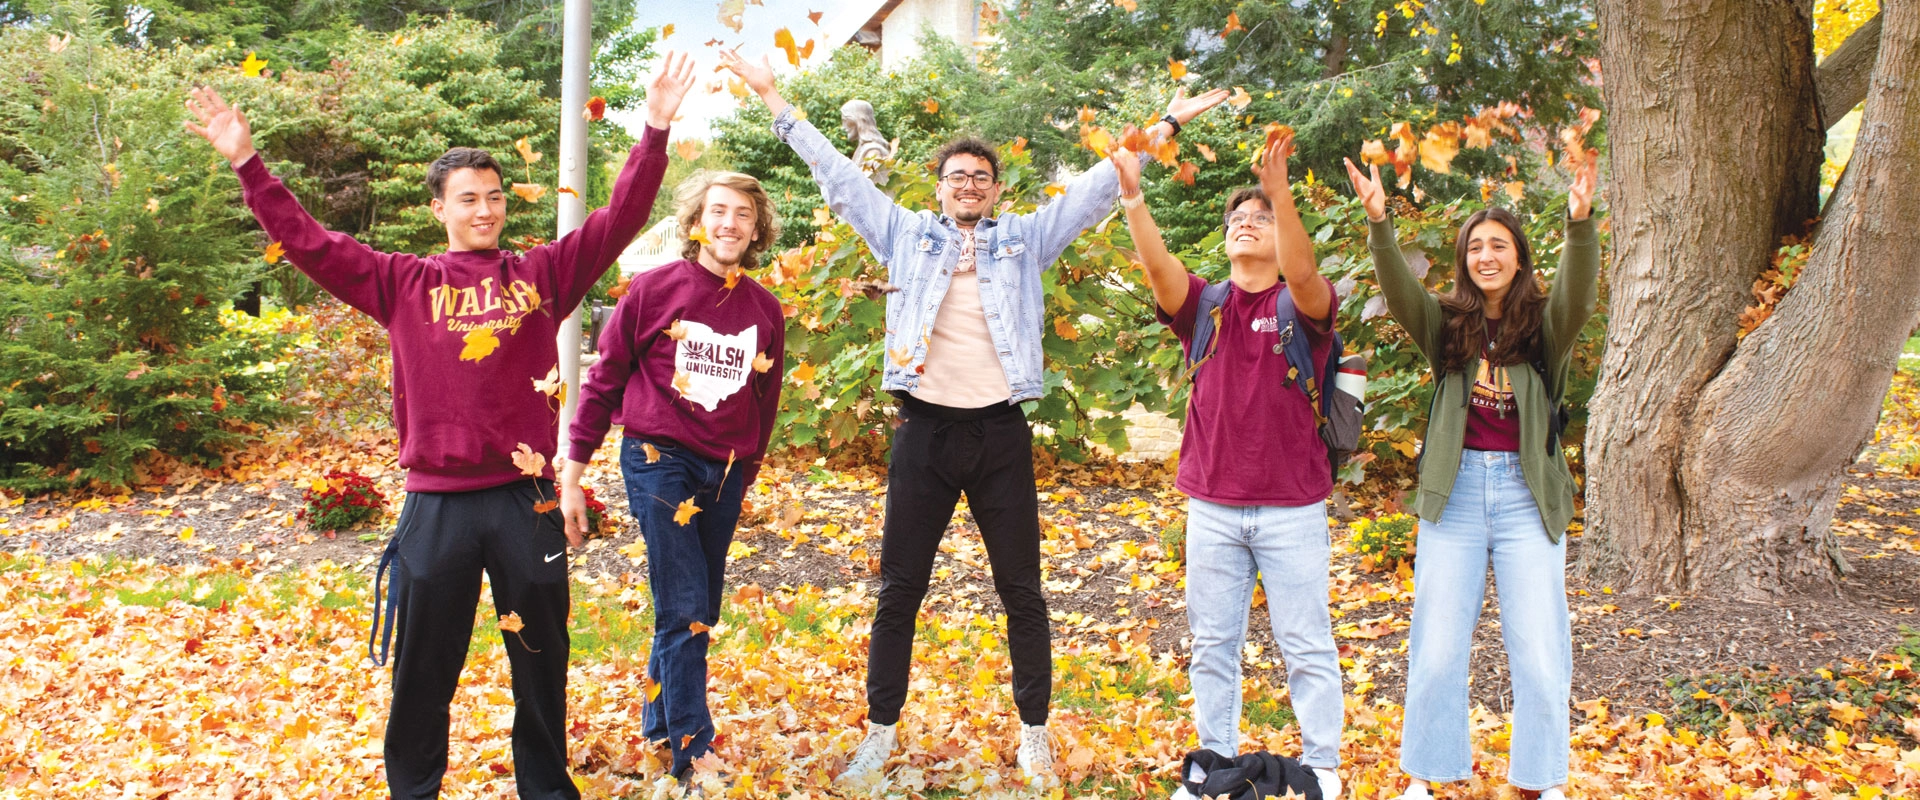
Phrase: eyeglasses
[1250,220]
[961,180]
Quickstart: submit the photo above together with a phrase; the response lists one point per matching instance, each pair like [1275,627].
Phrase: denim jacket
[921,248]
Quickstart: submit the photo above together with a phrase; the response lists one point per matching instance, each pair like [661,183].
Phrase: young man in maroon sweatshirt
[691,364]
[471,329]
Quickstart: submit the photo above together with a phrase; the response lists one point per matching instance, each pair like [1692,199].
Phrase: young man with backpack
[472,332]
[1253,460]
[963,341]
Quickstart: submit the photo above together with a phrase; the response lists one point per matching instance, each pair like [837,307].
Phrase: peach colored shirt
[962,370]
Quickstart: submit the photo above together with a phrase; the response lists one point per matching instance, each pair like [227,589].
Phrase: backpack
[1251,776]
[1337,413]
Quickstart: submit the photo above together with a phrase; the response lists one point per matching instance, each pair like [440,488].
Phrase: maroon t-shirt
[1493,421]
[1251,438]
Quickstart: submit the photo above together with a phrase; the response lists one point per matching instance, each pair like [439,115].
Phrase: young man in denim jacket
[963,343]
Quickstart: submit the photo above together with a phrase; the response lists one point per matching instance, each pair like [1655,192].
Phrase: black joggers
[443,542]
[938,453]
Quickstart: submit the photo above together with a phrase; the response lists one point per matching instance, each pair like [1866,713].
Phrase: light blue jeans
[1489,514]
[1288,547]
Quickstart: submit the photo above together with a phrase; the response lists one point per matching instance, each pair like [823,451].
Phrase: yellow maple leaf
[783,40]
[683,513]
[802,373]
[699,234]
[527,153]
[1844,713]
[531,464]
[761,363]
[1177,68]
[651,687]
[932,106]
[480,343]
[666,30]
[273,253]
[681,383]
[530,192]
[252,66]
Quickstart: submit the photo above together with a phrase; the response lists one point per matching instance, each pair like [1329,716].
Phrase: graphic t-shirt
[1251,437]
[677,363]
[1493,421]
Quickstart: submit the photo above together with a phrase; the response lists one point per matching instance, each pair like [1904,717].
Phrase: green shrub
[1861,700]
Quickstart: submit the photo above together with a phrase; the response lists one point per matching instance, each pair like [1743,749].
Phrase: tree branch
[1842,77]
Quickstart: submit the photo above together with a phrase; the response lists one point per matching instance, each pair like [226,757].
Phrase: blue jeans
[1288,547]
[686,571]
[1490,513]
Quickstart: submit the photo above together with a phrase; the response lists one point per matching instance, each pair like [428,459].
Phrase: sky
[695,22]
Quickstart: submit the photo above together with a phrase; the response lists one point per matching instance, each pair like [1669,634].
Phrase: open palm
[668,87]
[1372,194]
[220,124]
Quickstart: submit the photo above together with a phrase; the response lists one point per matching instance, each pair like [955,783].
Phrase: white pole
[575,55]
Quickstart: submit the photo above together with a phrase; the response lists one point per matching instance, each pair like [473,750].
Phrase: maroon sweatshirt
[722,406]
[471,330]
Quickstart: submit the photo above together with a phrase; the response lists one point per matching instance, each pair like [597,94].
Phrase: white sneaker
[869,763]
[1553,794]
[1415,792]
[1329,783]
[1181,793]
[1036,755]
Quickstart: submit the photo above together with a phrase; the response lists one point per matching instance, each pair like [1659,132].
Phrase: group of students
[690,367]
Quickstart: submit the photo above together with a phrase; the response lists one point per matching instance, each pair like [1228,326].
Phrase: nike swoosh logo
[555,555]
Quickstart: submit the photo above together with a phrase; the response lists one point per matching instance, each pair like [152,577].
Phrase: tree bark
[1843,75]
[1715,155]
[1775,431]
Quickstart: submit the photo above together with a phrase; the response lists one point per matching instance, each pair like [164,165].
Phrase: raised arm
[1166,275]
[1311,293]
[1089,197]
[578,259]
[357,274]
[1415,308]
[1576,287]
[847,190]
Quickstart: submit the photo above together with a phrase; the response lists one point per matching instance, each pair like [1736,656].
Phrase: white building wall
[957,20]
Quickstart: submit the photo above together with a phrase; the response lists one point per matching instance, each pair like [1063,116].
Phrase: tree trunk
[1715,154]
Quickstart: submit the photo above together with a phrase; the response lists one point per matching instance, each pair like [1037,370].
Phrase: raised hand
[1580,195]
[1372,195]
[667,88]
[1271,167]
[759,77]
[1127,164]
[222,125]
[1184,108]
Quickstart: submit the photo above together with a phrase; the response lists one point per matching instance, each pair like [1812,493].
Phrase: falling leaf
[550,385]
[531,464]
[480,343]
[1188,171]
[1516,190]
[530,192]
[712,42]
[1240,99]
[699,234]
[731,455]
[511,623]
[186,534]
[932,106]
[546,506]
[681,382]
[739,89]
[698,627]
[683,514]
[676,331]
[55,44]
[733,277]
[802,373]
[653,453]
[273,253]
[730,13]
[1233,24]
[1177,68]
[1065,329]
[570,190]
[687,149]
[153,207]
[1205,152]
[1097,140]
[1086,114]
[814,16]
[666,30]
[596,107]
[252,66]
[527,153]
[783,40]
[1130,5]
[902,356]
[1374,151]
[1439,146]
[761,363]
[651,687]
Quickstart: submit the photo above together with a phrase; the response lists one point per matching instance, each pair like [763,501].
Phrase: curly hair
[690,199]
[1464,333]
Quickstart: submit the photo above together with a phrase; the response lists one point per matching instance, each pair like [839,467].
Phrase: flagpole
[575,56]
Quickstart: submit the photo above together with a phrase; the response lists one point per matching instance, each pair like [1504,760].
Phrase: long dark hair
[1464,334]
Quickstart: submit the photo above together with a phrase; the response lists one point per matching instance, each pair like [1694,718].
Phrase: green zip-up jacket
[1568,307]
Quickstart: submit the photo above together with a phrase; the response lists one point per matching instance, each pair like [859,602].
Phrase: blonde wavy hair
[690,198]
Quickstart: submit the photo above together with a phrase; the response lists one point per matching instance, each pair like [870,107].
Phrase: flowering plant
[596,511]
[1384,542]
[340,501]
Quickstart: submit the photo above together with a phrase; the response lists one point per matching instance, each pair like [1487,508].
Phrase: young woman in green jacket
[1494,485]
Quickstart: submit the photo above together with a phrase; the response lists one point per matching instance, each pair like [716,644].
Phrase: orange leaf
[530,192]
[902,356]
[683,514]
[783,39]
[666,30]
[1097,140]
[1188,171]
[1205,152]
[761,363]
[1233,24]
[273,253]
[1130,5]
[1178,68]
[1086,114]
[1374,152]
[650,686]
[1439,146]
[698,626]
[542,508]
[932,106]
[653,453]
[479,343]
[1065,329]
[1516,190]
[803,373]
[596,107]
[512,623]
[814,16]
[527,153]
[531,464]
[569,190]
[733,276]
[687,149]
[1240,99]
[1135,139]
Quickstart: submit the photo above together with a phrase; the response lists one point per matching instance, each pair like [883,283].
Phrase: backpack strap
[1206,322]
[1556,398]
[1301,367]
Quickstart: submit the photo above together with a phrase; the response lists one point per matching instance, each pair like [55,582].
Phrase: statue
[870,149]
